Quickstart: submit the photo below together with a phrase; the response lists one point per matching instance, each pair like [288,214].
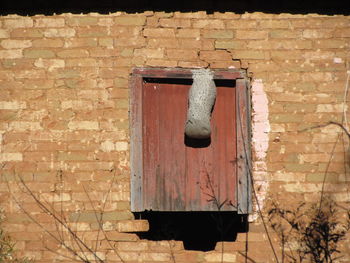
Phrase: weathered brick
[82,21]
[225,64]
[133,246]
[306,23]
[59,32]
[80,42]
[20,22]
[49,63]
[218,256]
[27,33]
[103,52]
[127,52]
[106,42]
[113,72]
[12,105]
[130,20]
[49,22]
[76,104]
[251,34]
[284,34]
[149,52]
[188,33]
[34,74]
[286,118]
[25,125]
[159,32]
[105,21]
[38,84]
[9,54]
[190,44]
[156,257]
[73,156]
[217,34]
[15,64]
[230,44]
[285,55]
[296,107]
[161,63]
[330,108]
[4,33]
[47,42]
[196,15]
[130,42]
[83,125]
[241,24]
[94,217]
[181,54]
[176,23]
[251,54]
[11,157]
[317,76]
[126,32]
[152,21]
[336,22]
[215,55]
[162,43]
[132,226]
[73,53]
[317,33]
[121,146]
[15,44]
[274,23]
[226,15]
[330,43]
[38,53]
[302,188]
[208,23]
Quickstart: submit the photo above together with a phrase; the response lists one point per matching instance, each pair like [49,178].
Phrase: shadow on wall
[25,7]
[198,230]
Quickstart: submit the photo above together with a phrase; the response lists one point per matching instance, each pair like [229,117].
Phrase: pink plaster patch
[261,125]
[260,140]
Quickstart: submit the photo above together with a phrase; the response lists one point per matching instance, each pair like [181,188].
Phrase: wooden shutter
[171,172]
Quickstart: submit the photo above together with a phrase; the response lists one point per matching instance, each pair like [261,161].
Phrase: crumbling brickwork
[64,118]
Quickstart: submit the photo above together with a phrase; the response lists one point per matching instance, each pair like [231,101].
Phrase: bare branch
[327,124]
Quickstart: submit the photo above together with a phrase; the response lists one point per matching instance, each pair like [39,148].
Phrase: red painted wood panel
[177,174]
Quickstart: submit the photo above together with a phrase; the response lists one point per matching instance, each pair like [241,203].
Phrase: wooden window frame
[243,129]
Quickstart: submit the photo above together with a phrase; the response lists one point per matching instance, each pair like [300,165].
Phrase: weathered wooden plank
[136,143]
[229,184]
[167,174]
[151,162]
[243,147]
[185,73]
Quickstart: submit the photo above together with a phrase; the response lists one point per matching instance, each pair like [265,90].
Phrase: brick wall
[64,119]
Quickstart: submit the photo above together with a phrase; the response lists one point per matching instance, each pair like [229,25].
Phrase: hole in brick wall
[198,230]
